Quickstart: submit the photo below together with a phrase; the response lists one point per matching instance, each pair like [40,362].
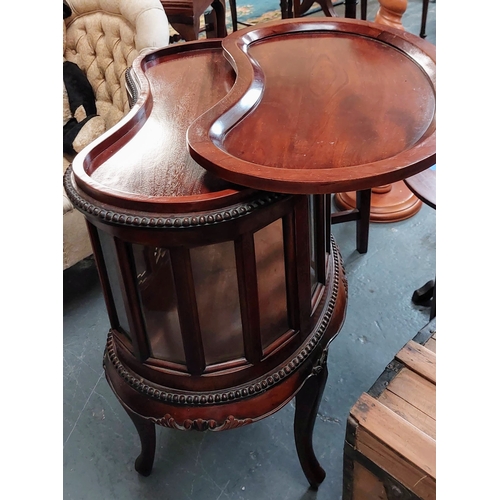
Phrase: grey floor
[257,461]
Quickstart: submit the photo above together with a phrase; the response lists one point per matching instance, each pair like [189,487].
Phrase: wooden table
[208,208]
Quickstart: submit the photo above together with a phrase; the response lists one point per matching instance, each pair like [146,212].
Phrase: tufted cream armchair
[103,37]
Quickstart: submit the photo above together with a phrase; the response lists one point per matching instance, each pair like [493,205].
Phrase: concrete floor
[257,461]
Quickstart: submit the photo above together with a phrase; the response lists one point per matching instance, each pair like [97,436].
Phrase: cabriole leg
[147,435]
[307,403]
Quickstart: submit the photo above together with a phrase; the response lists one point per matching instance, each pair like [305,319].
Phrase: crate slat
[390,446]
[416,390]
[420,359]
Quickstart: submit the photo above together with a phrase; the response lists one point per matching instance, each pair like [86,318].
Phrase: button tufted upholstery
[103,37]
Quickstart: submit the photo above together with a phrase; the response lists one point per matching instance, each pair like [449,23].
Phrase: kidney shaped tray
[321,106]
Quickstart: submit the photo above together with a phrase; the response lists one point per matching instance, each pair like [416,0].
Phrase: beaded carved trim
[221,397]
[344,276]
[167,221]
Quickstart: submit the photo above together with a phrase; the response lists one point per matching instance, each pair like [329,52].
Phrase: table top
[321,105]
[296,106]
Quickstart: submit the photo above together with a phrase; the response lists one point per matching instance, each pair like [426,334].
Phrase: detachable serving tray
[142,164]
[321,106]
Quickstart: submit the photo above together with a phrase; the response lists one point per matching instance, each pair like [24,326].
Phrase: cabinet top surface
[296,106]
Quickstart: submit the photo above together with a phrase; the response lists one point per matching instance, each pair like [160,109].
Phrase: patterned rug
[254,12]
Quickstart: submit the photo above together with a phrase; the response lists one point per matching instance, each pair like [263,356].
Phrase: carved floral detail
[320,364]
[199,424]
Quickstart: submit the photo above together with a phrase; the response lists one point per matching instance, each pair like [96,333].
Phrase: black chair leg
[363,201]
[425,7]
[234,17]
[350,8]
[364,8]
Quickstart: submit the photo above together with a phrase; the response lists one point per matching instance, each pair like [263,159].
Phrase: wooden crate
[390,445]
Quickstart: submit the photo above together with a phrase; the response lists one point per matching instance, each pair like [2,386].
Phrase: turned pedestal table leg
[390,12]
[391,202]
[307,403]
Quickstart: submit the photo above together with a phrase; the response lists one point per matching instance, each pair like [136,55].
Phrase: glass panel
[216,284]
[158,299]
[111,260]
[269,256]
[312,243]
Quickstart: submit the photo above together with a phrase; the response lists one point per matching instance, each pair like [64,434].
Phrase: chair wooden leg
[364,8]
[220,16]
[307,403]
[147,435]
[361,214]
[234,17]
[425,7]
[350,9]
[286,9]
[187,32]
[363,200]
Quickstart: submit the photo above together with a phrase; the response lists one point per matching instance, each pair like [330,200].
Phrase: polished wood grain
[302,116]
[155,171]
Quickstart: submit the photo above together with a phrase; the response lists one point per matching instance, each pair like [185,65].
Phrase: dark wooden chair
[184,16]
